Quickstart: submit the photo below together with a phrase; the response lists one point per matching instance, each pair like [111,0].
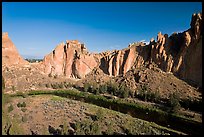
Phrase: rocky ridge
[180,54]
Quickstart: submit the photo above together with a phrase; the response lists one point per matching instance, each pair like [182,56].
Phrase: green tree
[103,88]
[86,87]
[173,102]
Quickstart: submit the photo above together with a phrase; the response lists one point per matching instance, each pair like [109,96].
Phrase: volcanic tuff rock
[10,55]
[120,61]
[71,60]
[181,54]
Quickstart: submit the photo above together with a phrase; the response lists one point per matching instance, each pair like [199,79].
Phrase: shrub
[55,86]
[86,87]
[23,109]
[60,85]
[86,127]
[95,88]
[24,95]
[47,85]
[10,108]
[99,114]
[112,88]
[103,88]
[21,104]
[123,91]
[173,102]
[67,85]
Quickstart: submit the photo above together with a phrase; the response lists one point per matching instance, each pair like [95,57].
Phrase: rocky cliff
[70,59]
[120,61]
[181,54]
[10,55]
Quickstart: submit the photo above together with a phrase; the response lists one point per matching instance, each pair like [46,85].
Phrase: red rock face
[180,54]
[121,61]
[71,60]
[10,55]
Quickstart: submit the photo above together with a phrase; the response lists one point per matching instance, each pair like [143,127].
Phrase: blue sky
[37,27]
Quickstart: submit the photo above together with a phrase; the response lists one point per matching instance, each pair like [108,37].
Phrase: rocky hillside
[180,53]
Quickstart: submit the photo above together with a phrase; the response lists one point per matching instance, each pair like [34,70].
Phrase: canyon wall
[180,53]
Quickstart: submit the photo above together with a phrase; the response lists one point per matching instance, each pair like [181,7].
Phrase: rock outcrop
[10,55]
[120,61]
[181,53]
[71,60]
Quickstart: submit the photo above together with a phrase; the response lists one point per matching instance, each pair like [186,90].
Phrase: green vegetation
[10,108]
[103,88]
[47,85]
[65,128]
[24,95]
[89,127]
[23,109]
[99,114]
[174,102]
[110,87]
[57,98]
[23,104]
[9,126]
[140,111]
[34,60]
[146,95]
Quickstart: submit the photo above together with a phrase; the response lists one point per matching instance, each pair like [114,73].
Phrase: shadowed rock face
[181,53]
[10,55]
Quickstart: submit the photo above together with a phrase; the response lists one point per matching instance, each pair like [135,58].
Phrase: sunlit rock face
[71,60]
[120,61]
[10,55]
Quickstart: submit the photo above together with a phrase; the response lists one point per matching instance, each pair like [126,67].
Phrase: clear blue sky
[37,28]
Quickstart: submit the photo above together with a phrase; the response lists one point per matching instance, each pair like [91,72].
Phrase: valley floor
[49,114]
